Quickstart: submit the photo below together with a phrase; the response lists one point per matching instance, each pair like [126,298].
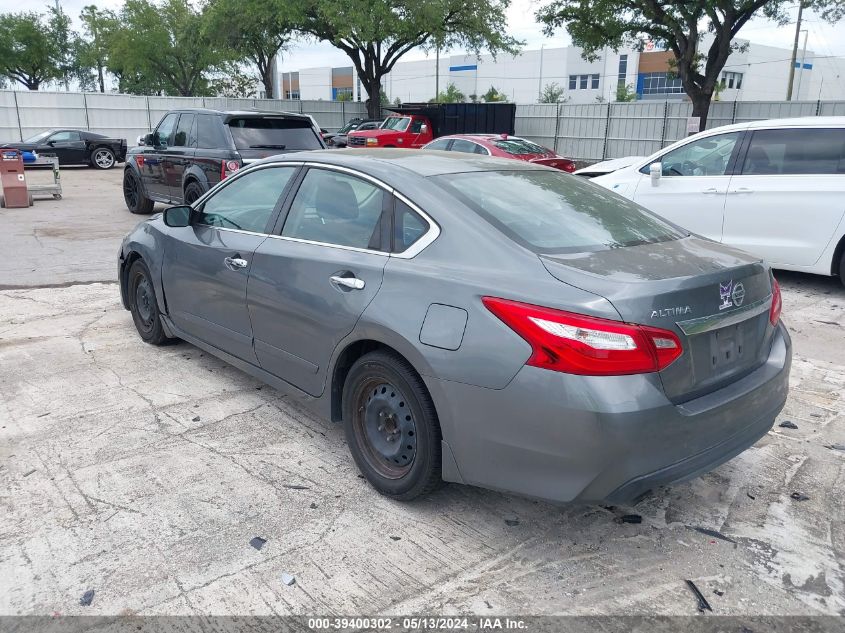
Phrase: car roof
[234,113]
[764,124]
[483,137]
[385,163]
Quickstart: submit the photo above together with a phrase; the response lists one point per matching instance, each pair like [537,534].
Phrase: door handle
[741,190]
[353,283]
[711,190]
[234,263]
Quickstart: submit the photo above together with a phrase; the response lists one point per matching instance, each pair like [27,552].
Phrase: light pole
[801,68]
[794,52]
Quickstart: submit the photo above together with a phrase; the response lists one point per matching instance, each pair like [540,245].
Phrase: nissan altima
[472,319]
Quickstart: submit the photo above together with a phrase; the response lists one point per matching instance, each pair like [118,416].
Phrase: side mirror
[51,143]
[655,170]
[149,139]
[178,216]
[141,140]
[423,128]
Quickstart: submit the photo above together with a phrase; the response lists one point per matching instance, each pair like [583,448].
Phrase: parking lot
[143,473]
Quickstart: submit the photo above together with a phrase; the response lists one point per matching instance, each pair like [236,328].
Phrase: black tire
[193,190]
[133,194]
[842,269]
[2,202]
[391,426]
[103,158]
[143,305]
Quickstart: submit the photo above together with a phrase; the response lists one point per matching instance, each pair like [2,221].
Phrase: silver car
[472,319]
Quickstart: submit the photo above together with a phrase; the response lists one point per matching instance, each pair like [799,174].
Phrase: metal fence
[23,114]
[598,131]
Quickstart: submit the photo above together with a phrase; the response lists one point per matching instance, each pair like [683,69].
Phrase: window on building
[622,73]
[292,94]
[583,81]
[594,79]
[732,80]
[343,94]
[573,82]
[661,84]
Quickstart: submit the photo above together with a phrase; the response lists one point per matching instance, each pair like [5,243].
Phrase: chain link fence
[24,114]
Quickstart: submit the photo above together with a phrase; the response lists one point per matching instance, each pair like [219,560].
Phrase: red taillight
[569,166]
[579,344]
[228,168]
[777,303]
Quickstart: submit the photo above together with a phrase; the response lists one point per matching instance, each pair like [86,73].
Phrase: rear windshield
[552,212]
[273,133]
[518,146]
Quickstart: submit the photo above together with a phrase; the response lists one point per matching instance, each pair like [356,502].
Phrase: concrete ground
[143,473]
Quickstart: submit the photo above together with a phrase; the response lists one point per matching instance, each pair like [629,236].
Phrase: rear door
[310,284]
[789,195]
[694,184]
[152,165]
[207,265]
[177,156]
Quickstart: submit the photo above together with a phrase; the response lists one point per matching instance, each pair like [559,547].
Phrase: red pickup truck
[416,124]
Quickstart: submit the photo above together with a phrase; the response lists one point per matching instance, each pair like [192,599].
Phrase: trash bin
[15,194]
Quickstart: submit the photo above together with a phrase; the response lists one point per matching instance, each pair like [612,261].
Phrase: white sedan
[773,188]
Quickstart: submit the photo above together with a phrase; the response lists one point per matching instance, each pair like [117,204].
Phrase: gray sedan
[472,319]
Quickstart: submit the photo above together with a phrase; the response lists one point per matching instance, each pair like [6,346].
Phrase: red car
[504,146]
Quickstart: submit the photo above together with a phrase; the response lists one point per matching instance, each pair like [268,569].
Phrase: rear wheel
[391,426]
[193,191]
[842,268]
[133,195]
[103,158]
[143,305]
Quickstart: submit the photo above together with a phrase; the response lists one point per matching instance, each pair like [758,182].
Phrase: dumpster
[13,179]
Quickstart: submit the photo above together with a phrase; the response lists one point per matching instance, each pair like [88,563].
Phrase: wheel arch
[197,175]
[836,260]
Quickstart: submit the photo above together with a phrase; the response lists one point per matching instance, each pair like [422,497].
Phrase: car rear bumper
[565,438]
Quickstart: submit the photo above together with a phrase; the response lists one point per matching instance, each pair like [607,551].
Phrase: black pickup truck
[76,147]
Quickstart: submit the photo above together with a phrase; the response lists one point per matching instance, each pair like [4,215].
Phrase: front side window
[398,123]
[549,212]
[247,203]
[182,138]
[705,157]
[64,137]
[336,208]
[416,126]
[796,151]
[273,133]
[441,144]
[165,129]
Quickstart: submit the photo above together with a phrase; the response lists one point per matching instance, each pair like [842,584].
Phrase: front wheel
[143,305]
[133,194]
[103,158]
[391,426]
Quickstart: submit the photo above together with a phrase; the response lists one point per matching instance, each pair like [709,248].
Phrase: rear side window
[273,133]
[466,147]
[796,151]
[551,212]
[334,208]
[210,132]
[518,146]
[408,226]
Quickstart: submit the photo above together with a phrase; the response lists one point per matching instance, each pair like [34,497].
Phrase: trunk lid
[715,298]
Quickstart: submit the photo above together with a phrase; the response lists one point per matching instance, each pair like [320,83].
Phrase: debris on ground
[195,419]
[630,518]
[750,496]
[836,447]
[709,532]
[258,542]
[799,496]
[313,506]
[395,538]
[295,487]
[288,579]
[703,605]
[512,520]
[43,415]
[787,424]
[87,598]
[28,473]
[719,592]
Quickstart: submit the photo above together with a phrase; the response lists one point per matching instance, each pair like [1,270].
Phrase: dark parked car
[475,319]
[339,139]
[76,147]
[190,151]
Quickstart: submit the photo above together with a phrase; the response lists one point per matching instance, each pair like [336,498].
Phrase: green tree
[97,26]
[625,93]
[231,80]
[164,47]
[677,25]
[450,95]
[375,34]
[493,95]
[255,30]
[552,93]
[29,51]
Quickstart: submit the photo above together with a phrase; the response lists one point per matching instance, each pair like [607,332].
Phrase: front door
[786,201]
[68,147]
[692,189]
[309,285]
[207,265]
[152,163]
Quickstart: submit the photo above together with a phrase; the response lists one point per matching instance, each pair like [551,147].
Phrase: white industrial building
[753,73]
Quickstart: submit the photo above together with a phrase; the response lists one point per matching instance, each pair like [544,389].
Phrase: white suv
[773,188]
